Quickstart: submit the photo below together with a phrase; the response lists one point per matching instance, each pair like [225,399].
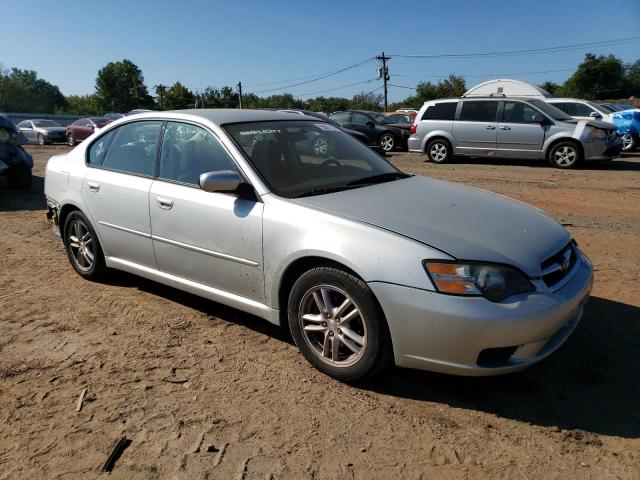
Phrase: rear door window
[133,150]
[440,111]
[479,111]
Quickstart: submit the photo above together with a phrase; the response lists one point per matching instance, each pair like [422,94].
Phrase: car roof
[222,116]
[554,99]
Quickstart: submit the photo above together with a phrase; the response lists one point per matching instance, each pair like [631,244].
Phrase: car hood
[465,222]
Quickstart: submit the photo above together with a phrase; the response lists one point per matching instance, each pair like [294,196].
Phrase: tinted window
[133,149]
[360,118]
[440,111]
[189,151]
[479,111]
[517,112]
[574,109]
[98,149]
[341,117]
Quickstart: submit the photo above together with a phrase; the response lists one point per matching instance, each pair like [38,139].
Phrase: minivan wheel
[83,247]
[565,155]
[387,142]
[70,140]
[439,151]
[628,142]
[338,325]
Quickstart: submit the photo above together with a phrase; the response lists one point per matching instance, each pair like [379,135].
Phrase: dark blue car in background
[15,163]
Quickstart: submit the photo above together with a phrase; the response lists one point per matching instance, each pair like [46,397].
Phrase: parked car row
[513,127]
[381,131]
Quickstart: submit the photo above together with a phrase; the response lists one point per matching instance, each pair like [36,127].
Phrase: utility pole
[240,93]
[384,74]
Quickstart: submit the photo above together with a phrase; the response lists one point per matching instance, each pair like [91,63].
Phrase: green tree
[632,74]
[120,87]
[82,105]
[225,97]
[327,105]
[452,86]
[23,91]
[551,87]
[178,97]
[597,78]
[367,101]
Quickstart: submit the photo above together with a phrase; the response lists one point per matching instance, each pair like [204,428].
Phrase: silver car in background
[511,128]
[42,131]
[364,264]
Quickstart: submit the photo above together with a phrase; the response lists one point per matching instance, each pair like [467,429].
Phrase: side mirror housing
[537,118]
[595,115]
[224,181]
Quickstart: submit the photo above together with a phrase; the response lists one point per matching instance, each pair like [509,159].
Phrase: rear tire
[70,139]
[439,150]
[565,155]
[41,140]
[387,142]
[83,248]
[350,323]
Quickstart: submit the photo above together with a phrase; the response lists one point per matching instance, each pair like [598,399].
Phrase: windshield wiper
[380,178]
[322,190]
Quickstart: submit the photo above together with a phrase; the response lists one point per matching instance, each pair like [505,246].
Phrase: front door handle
[165,203]
[505,128]
[93,186]
[490,127]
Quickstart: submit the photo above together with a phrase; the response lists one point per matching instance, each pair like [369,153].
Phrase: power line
[530,51]
[336,88]
[330,74]
[488,74]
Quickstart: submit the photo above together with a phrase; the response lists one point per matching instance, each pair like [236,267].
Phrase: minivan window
[518,112]
[479,111]
[189,151]
[440,111]
[133,150]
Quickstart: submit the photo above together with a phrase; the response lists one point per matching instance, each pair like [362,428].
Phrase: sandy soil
[204,391]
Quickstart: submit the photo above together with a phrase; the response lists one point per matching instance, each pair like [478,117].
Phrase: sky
[219,42]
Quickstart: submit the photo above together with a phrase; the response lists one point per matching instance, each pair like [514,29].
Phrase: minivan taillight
[414,127]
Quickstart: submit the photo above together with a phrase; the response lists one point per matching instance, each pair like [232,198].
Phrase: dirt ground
[204,391]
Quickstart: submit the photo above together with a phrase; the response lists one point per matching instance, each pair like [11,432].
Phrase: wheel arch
[552,143]
[438,134]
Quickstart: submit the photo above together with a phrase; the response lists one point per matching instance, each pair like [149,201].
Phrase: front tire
[387,142]
[41,140]
[83,248]
[439,151]
[628,142]
[565,155]
[71,140]
[338,325]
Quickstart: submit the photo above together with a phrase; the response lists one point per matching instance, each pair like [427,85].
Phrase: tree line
[120,87]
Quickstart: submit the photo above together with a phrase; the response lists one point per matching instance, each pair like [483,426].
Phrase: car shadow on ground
[13,199]
[590,384]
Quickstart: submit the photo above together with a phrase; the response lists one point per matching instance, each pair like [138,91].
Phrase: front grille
[556,267]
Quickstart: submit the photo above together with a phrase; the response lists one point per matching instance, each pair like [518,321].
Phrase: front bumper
[603,149]
[448,334]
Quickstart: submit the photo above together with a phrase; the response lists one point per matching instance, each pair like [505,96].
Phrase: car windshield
[304,158]
[600,108]
[46,123]
[550,110]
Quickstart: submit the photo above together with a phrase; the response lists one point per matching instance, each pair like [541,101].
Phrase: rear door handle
[505,128]
[93,186]
[490,127]
[165,203]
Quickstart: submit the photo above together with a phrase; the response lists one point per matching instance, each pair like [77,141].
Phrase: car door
[84,129]
[116,191]
[367,125]
[520,132]
[476,129]
[211,238]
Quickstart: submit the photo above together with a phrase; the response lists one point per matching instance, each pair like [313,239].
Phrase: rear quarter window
[440,111]
[98,149]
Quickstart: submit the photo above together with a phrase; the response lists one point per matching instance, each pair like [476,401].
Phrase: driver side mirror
[223,181]
[537,118]
[595,115]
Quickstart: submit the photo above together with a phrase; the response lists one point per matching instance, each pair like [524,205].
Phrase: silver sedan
[364,264]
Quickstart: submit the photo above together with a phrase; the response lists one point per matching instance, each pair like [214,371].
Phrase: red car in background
[83,128]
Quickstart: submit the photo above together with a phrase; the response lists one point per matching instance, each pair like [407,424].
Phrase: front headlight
[494,282]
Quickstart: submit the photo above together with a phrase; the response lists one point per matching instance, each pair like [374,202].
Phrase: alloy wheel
[627,142]
[81,245]
[438,152]
[333,325]
[40,140]
[565,156]
[386,142]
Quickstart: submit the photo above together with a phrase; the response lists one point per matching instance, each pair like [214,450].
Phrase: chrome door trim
[124,229]
[211,253]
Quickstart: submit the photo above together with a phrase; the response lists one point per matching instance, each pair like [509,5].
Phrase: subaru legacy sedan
[364,264]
